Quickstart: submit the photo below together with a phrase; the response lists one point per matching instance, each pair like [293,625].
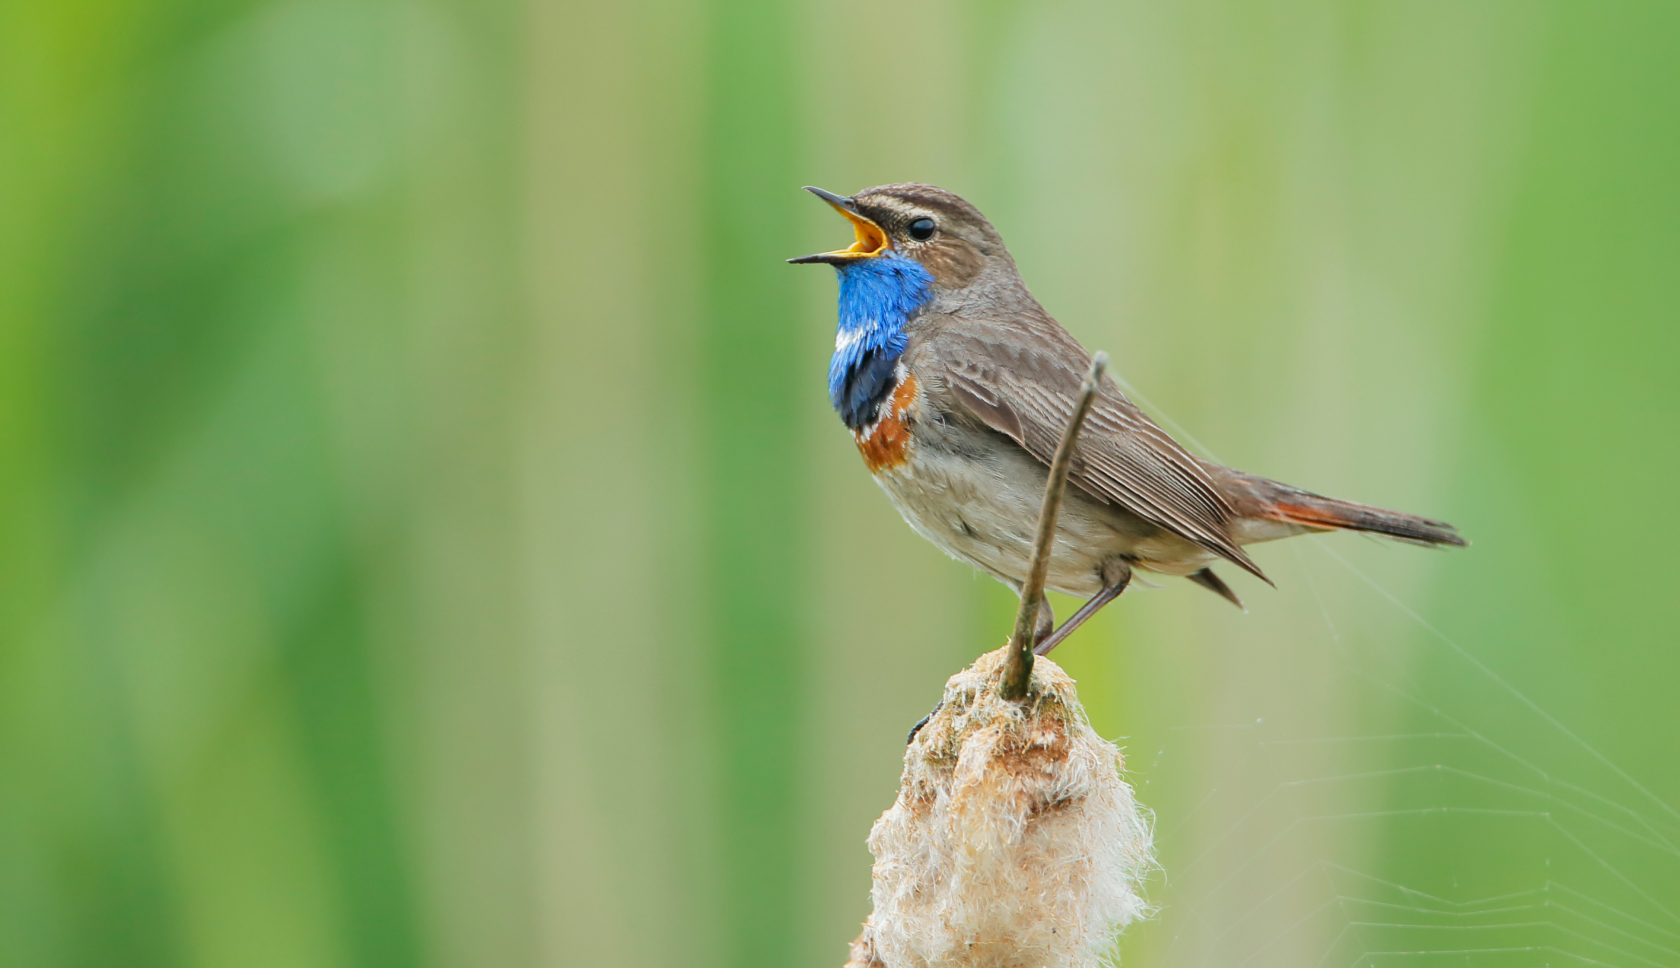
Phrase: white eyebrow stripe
[898,206]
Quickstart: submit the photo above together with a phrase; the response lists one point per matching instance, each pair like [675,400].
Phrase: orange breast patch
[885,444]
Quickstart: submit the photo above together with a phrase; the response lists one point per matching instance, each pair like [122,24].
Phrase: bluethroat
[956,385]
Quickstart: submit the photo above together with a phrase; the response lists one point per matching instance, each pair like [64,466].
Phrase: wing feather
[1020,377]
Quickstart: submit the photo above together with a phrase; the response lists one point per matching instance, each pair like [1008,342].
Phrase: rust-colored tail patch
[1309,516]
[1313,511]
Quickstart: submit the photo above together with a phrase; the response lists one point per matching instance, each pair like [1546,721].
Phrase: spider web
[1459,824]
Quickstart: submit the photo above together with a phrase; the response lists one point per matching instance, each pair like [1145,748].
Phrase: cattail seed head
[1014,841]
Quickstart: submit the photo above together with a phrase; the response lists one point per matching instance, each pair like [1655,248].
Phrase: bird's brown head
[920,251]
[929,225]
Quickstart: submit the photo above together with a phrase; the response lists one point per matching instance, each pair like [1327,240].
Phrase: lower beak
[871,239]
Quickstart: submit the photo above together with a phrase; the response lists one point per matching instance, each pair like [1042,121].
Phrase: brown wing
[1021,376]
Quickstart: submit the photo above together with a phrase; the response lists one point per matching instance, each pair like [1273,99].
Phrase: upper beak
[871,240]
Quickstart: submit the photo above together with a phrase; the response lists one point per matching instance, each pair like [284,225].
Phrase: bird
[956,386]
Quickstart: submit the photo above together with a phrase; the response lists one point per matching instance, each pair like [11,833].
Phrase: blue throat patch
[878,297]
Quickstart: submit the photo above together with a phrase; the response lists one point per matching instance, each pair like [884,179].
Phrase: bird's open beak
[871,240]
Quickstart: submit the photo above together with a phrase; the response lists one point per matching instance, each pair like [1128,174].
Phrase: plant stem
[1018,674]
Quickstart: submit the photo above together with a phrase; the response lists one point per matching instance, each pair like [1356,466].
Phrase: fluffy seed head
[1014,841]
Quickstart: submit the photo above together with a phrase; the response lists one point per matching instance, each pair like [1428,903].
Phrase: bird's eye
[921,229]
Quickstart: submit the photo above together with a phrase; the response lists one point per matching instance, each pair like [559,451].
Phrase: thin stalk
[1018,673]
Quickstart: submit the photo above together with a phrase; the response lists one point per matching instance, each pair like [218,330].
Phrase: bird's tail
[1263,498]
[1316,511]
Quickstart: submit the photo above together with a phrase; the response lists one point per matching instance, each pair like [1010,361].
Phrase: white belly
[984,510]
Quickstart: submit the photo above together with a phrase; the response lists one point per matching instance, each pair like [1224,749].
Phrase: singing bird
[956,386]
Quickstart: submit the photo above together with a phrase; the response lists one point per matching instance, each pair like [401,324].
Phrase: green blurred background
[424,540]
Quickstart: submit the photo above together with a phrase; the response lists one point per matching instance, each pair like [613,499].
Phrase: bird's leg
[1045,628]
[1115,580]
[1046,619]
[922,722]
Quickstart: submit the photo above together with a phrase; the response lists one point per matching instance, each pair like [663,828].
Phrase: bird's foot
[923,722]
